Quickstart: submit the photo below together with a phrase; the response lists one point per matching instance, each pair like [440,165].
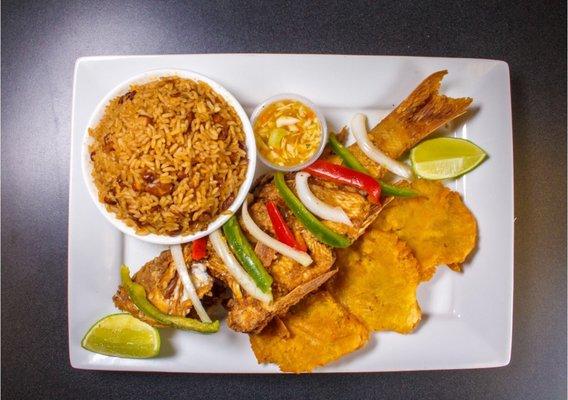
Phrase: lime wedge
[444,158]
[122,335]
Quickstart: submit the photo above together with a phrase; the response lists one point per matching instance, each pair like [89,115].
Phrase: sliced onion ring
[235,269]
[264,238]
[181,268]
[358,127]
[315,205]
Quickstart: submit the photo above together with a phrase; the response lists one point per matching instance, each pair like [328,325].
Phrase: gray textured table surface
[40,42]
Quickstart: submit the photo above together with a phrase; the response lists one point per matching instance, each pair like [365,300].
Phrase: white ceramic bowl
[121,89]
[319,114]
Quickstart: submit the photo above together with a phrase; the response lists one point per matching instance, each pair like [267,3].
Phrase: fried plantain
[437,226]
[315,332]
[377,281]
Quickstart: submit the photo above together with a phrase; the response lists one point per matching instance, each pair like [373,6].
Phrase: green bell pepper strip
[352,162]
[392,190]
[242,249]
[315,226]
[138,296]
[345,155]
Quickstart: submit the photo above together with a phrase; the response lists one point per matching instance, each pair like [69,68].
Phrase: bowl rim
[324,131]
[144,77]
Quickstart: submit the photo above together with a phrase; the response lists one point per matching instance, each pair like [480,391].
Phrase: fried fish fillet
[437,226]
[377,280]
[291,281]
[315,332]
[164,287]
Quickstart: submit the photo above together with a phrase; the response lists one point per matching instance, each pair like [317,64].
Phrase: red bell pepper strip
[283,232]
[302,246]
[199,248]
[340,174]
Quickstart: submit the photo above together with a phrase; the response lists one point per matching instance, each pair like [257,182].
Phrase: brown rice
[168,156]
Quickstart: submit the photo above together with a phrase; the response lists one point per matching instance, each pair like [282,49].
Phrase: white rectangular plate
[468,317]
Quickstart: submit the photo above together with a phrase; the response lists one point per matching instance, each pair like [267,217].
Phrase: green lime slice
[122,335]
[444,158]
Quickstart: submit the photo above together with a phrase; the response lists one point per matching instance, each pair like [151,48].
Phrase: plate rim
[506,356]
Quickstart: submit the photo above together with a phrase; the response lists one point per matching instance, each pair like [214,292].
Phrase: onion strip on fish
[359,130]
[299,256]
[222,249]
[181,268]
[315,205]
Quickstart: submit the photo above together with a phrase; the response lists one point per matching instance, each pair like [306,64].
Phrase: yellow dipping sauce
[287,132]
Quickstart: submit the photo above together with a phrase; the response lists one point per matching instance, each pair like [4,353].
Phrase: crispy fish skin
[251,316]
[421,113]
[163,288]
[377,281]
[437,226]
[286,273]
[292,281]
[315,332]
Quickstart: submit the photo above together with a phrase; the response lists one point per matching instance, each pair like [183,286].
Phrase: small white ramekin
[319,114]
[87,164]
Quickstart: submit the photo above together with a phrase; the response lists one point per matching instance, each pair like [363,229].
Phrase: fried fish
[291,281]
[164,287]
